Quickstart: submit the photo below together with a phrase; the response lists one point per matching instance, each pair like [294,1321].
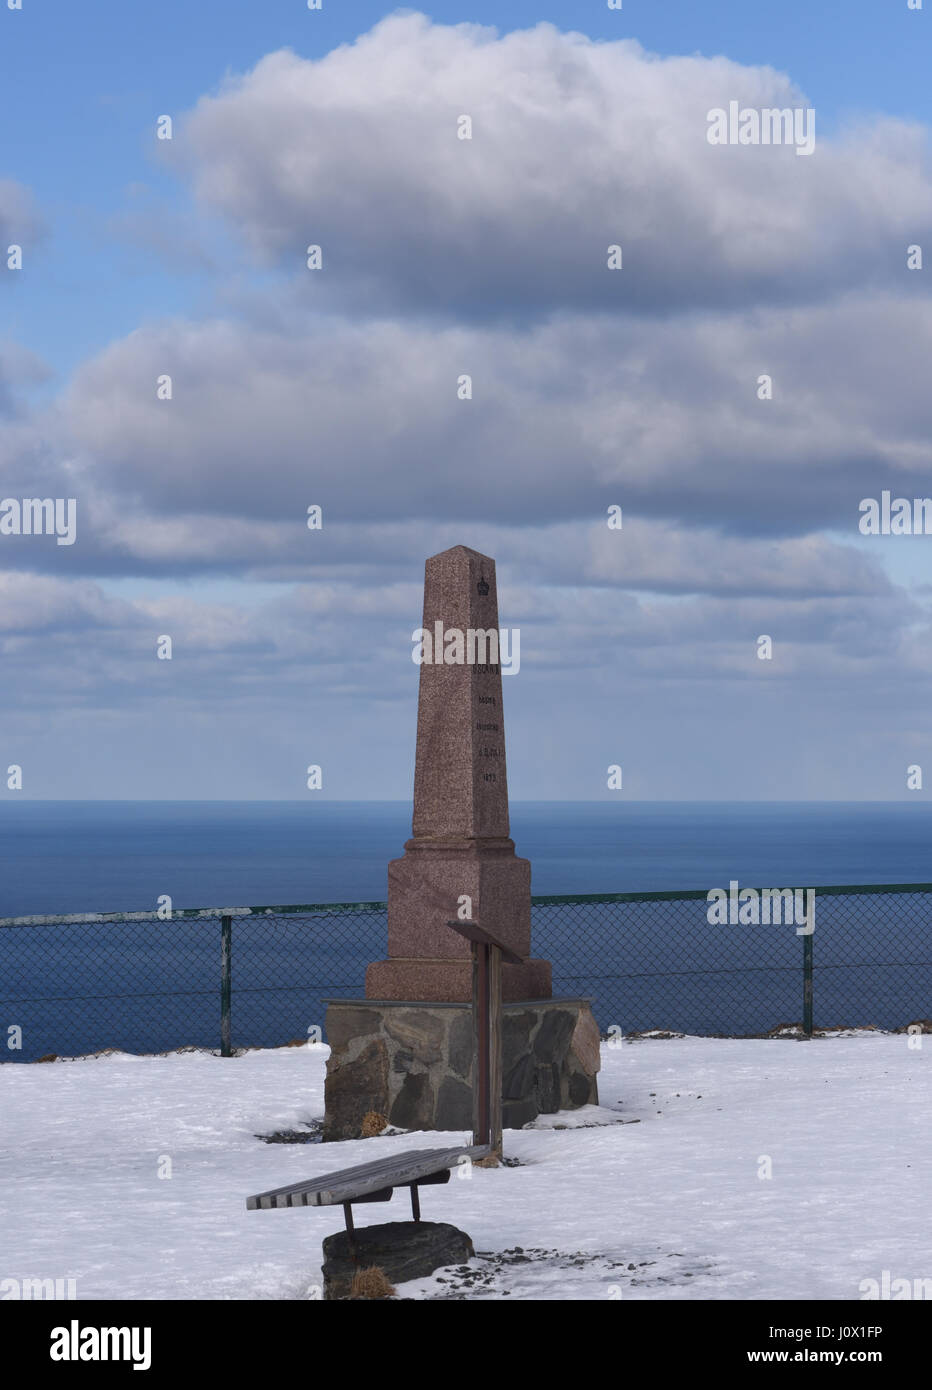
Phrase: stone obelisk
[404,1055]
[460,851]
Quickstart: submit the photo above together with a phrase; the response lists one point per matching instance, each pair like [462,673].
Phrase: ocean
[153,985]
[108,856]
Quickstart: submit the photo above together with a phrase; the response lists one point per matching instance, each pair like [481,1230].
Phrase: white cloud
[662,418]
[576,145]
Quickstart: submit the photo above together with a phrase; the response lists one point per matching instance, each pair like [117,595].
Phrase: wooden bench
[371,1182]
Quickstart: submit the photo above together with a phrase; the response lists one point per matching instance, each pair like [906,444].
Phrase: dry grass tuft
[371,1283]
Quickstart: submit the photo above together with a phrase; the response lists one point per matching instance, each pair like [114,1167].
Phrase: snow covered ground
[669,1207]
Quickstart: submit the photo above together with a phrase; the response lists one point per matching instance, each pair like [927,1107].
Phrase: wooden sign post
[487,956]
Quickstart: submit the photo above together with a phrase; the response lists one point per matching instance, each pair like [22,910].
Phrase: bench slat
[332,1188]
[384,1167]
[349,1184]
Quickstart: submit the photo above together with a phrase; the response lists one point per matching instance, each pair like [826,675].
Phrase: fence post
[495,1050]
[807,984]
[226,985]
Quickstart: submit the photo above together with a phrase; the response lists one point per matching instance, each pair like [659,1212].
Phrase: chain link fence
[228,978]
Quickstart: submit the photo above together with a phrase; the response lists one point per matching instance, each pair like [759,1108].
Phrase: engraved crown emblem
[482,586]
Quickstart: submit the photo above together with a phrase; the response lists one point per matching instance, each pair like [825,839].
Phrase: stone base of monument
[402,1250]
[409,1063]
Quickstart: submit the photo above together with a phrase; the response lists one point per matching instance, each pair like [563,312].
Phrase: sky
[638,387]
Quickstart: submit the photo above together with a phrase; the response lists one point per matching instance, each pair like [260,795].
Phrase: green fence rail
[234,977]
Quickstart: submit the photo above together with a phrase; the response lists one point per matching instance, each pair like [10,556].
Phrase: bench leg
[415,1202]
[350,1228]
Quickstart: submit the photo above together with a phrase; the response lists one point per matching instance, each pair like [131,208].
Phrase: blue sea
[153,985]
[108,856]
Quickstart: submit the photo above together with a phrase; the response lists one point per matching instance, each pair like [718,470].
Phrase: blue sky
[740,518]
[82,84]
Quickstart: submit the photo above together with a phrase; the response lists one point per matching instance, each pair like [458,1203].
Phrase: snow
[652,1194]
